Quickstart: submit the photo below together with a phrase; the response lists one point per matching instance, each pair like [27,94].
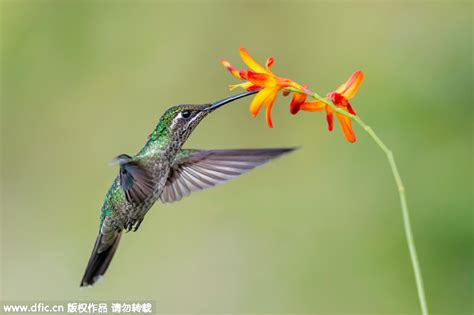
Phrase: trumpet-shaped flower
[339,98]
[259,77]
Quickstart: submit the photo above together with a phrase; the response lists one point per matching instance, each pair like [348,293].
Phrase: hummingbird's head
[179,121]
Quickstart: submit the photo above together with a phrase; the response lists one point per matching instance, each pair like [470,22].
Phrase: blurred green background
[318,231]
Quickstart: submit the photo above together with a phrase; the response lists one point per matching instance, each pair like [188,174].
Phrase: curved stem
[401,192]
[405,214]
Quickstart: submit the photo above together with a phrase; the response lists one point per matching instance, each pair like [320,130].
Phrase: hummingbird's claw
[133,225]
[137,225]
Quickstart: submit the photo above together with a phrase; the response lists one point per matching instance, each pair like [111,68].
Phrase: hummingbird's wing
[136,182]
[195,170]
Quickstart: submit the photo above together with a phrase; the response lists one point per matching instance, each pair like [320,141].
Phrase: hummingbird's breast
[159,168]
[157,161]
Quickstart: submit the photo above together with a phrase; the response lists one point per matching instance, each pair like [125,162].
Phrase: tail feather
[100,259]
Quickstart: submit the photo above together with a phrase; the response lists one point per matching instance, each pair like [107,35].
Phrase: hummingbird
[163,171]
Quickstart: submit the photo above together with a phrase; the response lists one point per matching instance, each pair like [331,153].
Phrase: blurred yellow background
[317,231]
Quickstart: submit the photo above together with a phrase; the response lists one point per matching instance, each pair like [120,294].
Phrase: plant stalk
[401,191]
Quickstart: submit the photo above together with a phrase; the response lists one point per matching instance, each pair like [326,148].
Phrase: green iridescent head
[178,122]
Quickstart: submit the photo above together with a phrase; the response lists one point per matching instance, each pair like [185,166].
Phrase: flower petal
[284,82]
[231,69]
[346,127]
[258,100]
[314,106]
[269,105]
[296,101]
[268,117]
[269,63]
[350,87]
[261,79]
[330,118]
[350,109]
[250,62]
[245,85]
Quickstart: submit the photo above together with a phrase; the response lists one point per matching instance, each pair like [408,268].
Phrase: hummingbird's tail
[100,258]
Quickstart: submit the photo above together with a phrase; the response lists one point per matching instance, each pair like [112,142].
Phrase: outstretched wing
[195,170]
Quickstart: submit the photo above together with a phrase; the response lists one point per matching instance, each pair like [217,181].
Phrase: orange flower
[340,98]
[259,77]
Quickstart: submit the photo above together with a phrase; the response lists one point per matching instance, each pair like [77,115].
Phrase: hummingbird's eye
[186,114]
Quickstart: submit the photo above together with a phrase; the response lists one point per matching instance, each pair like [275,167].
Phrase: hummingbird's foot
[128,226]
[133,225]
[137,225]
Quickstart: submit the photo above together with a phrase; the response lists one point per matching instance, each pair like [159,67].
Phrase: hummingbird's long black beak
[230,99]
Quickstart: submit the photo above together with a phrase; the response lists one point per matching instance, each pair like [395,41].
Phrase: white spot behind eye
[175,121]
[179,116]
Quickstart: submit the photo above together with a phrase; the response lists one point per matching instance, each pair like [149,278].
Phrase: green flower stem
[401,192]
